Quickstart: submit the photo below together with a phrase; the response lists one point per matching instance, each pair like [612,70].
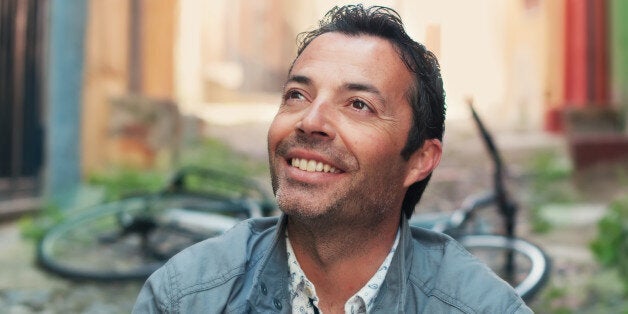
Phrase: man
[351,150]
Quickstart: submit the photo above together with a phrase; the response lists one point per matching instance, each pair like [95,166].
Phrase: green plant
[212,153]
[610,247]
[551,183]
[539,223]
[552,300]
[34,227]
[549,167]
[119,182]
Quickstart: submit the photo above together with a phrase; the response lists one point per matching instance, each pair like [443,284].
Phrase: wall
[106,76]
[129,62]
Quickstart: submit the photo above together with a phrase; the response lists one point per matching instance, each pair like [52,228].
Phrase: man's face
[335,143]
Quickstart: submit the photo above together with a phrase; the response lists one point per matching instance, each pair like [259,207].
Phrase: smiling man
[351,150]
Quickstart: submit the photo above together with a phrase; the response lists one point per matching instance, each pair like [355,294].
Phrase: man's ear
[423,161]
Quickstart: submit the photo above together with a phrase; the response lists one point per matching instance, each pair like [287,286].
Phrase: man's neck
[340,260]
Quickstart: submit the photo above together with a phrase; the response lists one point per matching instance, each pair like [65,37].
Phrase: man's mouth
[310,165]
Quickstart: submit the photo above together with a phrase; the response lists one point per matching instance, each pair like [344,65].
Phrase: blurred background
[118,93]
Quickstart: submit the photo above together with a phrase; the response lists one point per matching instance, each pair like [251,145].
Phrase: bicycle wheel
[522,264]
[130,238]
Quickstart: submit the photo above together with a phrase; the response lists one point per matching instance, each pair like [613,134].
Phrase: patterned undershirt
[303,293]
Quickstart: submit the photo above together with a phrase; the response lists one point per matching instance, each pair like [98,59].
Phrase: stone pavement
[26,289]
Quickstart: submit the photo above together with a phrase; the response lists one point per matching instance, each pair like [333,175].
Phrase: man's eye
[294,95]
[360,105]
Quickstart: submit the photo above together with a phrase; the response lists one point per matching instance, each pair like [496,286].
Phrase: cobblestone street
[24,288]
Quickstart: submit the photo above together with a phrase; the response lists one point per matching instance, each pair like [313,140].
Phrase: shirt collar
[303,293]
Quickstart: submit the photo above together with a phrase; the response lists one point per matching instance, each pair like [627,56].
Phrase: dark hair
[426,96]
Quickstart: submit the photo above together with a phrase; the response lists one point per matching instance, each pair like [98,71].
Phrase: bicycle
[524,265]
[130,238]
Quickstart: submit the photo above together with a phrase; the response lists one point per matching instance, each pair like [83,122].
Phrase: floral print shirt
[303,293]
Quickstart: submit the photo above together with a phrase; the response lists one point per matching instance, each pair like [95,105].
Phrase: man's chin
[301,209]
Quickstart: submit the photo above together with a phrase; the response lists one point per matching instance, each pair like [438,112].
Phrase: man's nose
[316,121]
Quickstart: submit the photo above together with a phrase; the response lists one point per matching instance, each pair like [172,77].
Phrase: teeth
[303,164]
[311,165]
[319,167]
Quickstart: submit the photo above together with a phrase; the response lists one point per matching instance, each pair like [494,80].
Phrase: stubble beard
[344,207]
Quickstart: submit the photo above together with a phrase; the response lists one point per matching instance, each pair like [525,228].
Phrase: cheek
[379,153]
[375,142]
[279,129]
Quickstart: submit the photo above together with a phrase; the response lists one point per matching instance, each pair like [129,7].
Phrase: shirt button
[263,288]
[277,304]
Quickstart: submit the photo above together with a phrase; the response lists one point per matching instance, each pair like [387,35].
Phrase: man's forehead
[332,44]
[356,60]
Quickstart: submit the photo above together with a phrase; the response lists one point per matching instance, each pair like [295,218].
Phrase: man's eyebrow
[364,88]
[299,79]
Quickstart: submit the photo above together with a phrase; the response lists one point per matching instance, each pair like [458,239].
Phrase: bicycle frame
[507,208]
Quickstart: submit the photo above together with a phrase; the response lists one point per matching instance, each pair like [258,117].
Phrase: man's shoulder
[217,261]
[228,252]
[444,270]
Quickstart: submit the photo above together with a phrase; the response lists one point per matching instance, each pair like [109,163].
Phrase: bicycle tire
[95,245]
[532,265]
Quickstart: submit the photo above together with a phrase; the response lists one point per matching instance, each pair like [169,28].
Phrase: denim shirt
[245,270]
